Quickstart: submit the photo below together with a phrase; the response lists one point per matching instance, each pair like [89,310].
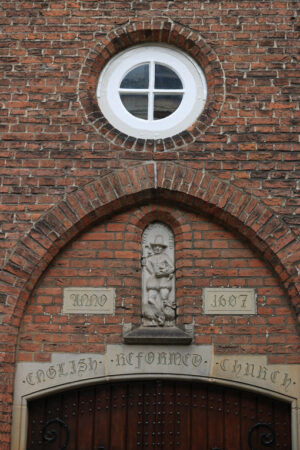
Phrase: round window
[151,91]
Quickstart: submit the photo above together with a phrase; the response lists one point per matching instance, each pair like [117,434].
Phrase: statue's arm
[149,267]
[171,268]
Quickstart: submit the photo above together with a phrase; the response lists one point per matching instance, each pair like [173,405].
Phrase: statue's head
[158,245]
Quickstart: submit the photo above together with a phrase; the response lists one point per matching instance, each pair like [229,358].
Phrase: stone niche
[158,278]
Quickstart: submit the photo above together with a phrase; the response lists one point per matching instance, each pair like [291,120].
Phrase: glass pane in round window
[165,105]
[137,78]
[136,104]
[166,78]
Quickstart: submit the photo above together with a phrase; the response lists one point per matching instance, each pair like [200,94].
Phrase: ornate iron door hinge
[50,434]
[266,436]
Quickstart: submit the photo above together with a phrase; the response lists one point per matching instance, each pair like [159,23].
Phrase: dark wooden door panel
[168,417]
[160,414]
[102,417]
[232,416]
[215,413]
[149,418]
[281,421]
[183,417]
[135,416]
[84,430]
[118,424]
[35,424]
[248,417]
[68,414]
[199,415]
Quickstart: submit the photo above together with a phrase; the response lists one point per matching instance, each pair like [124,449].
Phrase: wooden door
[158,414]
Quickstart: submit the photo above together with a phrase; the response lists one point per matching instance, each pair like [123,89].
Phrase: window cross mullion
[151,89]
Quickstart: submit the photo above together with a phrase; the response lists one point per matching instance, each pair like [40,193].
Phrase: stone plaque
[89,300]
[194,360]
[229,301]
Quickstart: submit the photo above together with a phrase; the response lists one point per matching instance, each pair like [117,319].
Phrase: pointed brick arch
[168,182]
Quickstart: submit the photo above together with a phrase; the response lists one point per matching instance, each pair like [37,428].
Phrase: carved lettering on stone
[158,276]
[86,300]
[229,301]
[63,369]
[244,370]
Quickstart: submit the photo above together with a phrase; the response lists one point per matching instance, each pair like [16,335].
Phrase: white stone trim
[123,362]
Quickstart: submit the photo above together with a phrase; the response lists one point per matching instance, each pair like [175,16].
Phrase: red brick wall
[48,147]
[207,255]
[54,147]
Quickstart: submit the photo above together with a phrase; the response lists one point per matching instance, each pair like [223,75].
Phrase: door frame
[20,409]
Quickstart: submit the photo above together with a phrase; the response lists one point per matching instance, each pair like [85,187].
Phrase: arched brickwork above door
[141,32]
[161,182]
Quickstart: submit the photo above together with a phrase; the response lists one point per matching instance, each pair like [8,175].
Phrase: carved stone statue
[158,280]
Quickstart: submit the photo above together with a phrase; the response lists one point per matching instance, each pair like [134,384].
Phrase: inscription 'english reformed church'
[191,361]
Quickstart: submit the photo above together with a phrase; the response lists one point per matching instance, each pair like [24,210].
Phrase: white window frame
[191,106]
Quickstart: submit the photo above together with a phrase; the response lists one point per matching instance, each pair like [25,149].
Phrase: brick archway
[121,189]
[165,182]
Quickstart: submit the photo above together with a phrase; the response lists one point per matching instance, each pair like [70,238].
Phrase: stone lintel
[157,335]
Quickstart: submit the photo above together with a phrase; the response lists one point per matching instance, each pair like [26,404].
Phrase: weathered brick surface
[62,166]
